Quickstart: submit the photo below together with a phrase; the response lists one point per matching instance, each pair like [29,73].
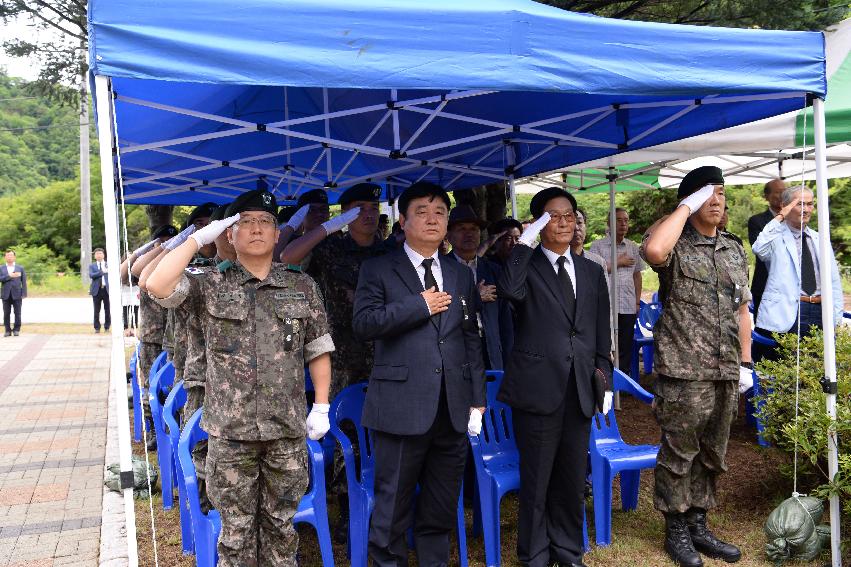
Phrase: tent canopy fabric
[211,96]
[766,149]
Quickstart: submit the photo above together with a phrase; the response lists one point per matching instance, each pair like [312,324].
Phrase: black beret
[541,198]
[219,212]
[697,178]
[199,212]
[505,224]
[166,230]
[286,213]
[315,196]
[360,192]
[257,200]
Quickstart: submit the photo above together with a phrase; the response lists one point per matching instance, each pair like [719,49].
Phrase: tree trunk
[85,186]
[158,215]
[496,202]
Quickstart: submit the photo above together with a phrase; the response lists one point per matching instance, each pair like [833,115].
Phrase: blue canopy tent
[198,99]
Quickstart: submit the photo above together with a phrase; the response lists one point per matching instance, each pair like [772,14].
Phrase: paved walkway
[53,423]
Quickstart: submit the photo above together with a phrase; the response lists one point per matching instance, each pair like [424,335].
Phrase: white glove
[209,233]
[745,379]
[531,233]
[474,426]
[297,219]
[317,421]
[337,223]
[181,237]
[144,248]
[698,198]
[607,401]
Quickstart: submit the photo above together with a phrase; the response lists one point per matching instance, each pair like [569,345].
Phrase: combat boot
[705,541]
[678,543]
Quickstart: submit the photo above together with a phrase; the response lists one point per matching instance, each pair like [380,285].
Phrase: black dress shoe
[16,333]
[678,542]
[7,334]
[705,541]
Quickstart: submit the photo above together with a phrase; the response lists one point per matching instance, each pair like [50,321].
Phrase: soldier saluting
[263,323]
[702,349]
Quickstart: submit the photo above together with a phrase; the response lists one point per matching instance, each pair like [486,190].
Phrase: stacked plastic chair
[752,407]
[348,406]
[137,395]
[171,416]
[205,527]
[159,387]
[642,342]
[611,456]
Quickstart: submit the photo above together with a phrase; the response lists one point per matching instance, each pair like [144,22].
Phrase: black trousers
[626,333]
[435,462]
[8,305]
[102,299]
[553,462]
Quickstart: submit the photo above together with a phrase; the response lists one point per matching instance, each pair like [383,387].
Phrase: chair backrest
[763,340]
[160,383]
[648,314]
[348,406]
[497,436]
[158,363]
[623,383]
[189,437]
[171,411]
[134,360]
[493,381]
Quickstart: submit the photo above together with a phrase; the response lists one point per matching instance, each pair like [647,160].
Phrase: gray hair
[790,192]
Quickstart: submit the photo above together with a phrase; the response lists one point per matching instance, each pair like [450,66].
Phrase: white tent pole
[117,365]
[510,159]
[827,320]
[613,273]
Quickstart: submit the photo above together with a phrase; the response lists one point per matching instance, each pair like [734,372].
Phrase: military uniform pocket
[293,316]
[227,316]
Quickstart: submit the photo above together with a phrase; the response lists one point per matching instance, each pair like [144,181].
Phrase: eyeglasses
[263,222]
[558,217]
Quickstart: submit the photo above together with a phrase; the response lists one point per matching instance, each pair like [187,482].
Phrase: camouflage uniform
[180,321]
[258,336]
[702,284]
[151,328]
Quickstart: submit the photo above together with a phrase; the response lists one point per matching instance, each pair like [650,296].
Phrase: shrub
[39,263]
[810,433]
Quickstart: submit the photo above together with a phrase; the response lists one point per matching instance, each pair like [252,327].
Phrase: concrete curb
[113,531]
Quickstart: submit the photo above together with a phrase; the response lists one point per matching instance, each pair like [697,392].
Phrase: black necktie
[566,285]
[808,271]
[430,282]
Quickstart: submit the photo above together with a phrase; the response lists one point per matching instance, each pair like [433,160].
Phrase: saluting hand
[437,301]
[533,230]
[209,233]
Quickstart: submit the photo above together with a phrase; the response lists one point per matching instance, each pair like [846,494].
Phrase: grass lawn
[748,492]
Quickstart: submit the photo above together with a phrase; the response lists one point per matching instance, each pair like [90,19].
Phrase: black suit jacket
[415,352]
[760,274]
[549,341]
[12,288]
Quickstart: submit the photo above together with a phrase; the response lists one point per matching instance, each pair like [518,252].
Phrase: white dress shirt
[417,260]
[552,257]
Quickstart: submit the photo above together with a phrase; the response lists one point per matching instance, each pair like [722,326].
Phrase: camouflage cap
[361,192]
[256,200]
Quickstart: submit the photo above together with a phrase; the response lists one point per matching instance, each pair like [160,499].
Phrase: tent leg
[827,318]
[613,274]
[117,363]
[510,159]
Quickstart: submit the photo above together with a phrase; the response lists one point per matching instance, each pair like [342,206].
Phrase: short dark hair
[10,251]
[422,189]
[617,210]
[581,211]
[98,250]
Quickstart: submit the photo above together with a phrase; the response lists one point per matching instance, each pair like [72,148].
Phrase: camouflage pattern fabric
[695,419]
[702,284]
[180,323]
[152,320]
[168,334]
[335,264]
[256,486]
[259,335]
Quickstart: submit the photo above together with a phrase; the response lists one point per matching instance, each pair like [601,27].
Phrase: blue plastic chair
[610,456]
[752,408]
[160,385]
[348,406]
[313,507]
[655,297]
[648,315]
[171,415]
[137,396]
[205,527]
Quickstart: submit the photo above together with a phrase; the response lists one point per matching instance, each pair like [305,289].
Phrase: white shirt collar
[553,257]
[417,259]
